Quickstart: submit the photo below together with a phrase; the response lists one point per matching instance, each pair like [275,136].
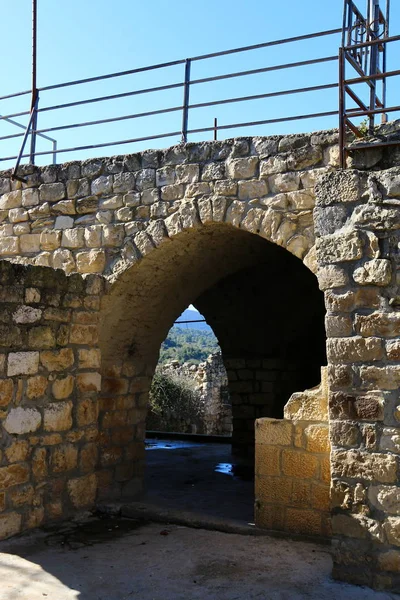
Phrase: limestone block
[22,420]
[73,238]
[18,451]
[165,176]
[89,382]
[338,326]
[89,358]
[144,243]
[298,245]
[10,524]
[102,185]
[57,416]
[354,349]
[82,491]
[145,179]
[213,171]
[252,220]
[92,236]
[357,526]
[104,216]
[63,259]
[113,235]
[393,350]
[77,188]
[22,363]
[378,324]
[274,432]
[16,215]
[384,378]
[11,200]
[255,188]
[377,271]
[124,214]
[57,360]
[21,228]
[6,230]
[64,223]
[159,210]
[51,192]
[376,217]
[357,464]
[63,387]
[242,168]
[390,440]
[300,200]
[169,193]
[27,314]
[284,182]
[9,246]
[123,182]
[272,166]
[331,277]
[64,207]
[385,498]
[344,434]
[317,438]
[87,205]
[197,189]
[187,173]
[235,212]
[92,261]
[6,391]
[87,412]
[132,199]
[267,461]
[63,458]
[157,231]
[299,464]
[36,387]
[339,248]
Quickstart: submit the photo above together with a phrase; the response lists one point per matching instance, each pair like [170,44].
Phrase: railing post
[54,152]
[342,108]
[35,94]
[186,94]
[33,131]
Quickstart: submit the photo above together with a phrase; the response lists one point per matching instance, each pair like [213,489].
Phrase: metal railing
[185,108]
[364,50]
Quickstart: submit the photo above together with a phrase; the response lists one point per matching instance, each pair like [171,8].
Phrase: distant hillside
[193,315]
[188,345]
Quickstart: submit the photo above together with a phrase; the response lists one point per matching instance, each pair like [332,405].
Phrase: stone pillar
[292,466]
[49,382]
[358,227]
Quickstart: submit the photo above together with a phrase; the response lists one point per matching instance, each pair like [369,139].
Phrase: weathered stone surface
[370,466]
[377,271]
[57,416]
[337,248]
[62,388]
[10,524]
[274,431]
[82,491]
[57,360]
[36,387]
[354,349]
[22,420]
[22,363]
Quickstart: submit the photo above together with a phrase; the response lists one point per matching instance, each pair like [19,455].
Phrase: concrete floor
[116,559]
[199,477]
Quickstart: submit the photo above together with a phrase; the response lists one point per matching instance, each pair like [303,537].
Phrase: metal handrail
[186,106]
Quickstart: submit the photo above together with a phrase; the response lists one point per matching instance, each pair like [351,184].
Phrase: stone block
[383,378]
[331,277]
[274,432]
[6,392]
[22,363]
[36,387]
[63,387]
[63,458]
[370,466]
[383,324]
[11,200]
[52,192]
[336,248]
[89,358]
[317,438]
[10,524]
[299,464]
[267,461]
[13,475]
[41,337]
[377,271]
[87,412]
[354,349]
[303,521]
[82,491]
[92,261]
[273,490]
[57,416]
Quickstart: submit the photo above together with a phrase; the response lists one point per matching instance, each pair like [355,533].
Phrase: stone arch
[188,258]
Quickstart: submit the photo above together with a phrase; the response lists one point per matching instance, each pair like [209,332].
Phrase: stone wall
[49,381]
[358,228]
[165,228]
[292,469]
[210,383]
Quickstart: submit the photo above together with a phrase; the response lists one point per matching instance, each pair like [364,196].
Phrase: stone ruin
[294,263]
[210,384]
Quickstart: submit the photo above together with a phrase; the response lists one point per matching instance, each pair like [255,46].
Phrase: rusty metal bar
[342,110]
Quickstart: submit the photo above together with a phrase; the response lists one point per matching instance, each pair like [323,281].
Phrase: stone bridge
[100,257]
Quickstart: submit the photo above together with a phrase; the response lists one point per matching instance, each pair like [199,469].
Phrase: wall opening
[262,303]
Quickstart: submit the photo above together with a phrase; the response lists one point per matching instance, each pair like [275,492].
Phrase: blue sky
[79,39]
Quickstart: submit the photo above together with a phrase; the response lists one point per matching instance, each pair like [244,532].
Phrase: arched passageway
[264,307]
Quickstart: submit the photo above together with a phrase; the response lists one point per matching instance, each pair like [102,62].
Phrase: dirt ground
[120,559]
